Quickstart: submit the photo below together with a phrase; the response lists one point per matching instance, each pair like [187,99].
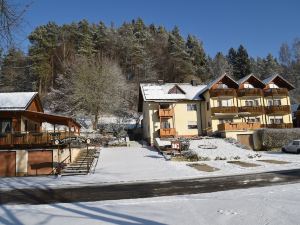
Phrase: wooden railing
[238,126]
[224,109]
[222,92]
[276,92]
[32,138]
[252,109]
[279,126]
[249,92]
[278,109]
[167,132]
[166,112]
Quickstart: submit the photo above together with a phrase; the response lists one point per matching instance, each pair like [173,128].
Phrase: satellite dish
[88,141]
[56,142]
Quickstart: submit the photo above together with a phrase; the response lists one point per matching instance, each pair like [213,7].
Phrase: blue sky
[261,26]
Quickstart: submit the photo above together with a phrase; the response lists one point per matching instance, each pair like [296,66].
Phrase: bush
[276,138]
[190,155]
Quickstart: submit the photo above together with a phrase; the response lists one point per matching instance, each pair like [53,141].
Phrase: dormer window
[222,86]
[176,90]
[273,85]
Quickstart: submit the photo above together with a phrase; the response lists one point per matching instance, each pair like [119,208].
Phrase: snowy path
[274,205]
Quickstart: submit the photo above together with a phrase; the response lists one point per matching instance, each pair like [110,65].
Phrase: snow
[152,91]
[273,205]
[15,100]
[144,164]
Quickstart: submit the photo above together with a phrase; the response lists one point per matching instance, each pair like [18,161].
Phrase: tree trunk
[95,122]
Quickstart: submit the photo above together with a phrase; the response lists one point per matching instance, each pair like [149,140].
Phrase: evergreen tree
[240,62]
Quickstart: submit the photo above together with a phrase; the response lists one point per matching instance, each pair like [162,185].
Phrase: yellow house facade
[226,107]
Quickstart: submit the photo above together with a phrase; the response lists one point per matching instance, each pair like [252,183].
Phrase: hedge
[276,138]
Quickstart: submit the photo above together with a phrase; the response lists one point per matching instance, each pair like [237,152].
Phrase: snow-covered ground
[274,205]
[142,164]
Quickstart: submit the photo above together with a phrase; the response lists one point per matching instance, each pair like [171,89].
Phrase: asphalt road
[144,190]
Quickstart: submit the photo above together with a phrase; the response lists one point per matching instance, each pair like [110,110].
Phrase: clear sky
[260,25]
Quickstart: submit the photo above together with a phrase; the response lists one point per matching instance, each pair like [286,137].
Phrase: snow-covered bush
[220,158]
[190,155]
[276,138]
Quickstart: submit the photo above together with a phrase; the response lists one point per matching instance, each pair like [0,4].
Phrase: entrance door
[246,139]
[40,162]
[7,164]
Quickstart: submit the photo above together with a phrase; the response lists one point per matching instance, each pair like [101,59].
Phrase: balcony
[222,92]
[238,126]
[278,109]
[253,110]
[224,109]
[249,92]
[279,126]
[167,132]
[276,92]
[166,112]
[31,139]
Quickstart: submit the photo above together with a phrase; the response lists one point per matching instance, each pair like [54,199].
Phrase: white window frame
[192,125]
[191,107]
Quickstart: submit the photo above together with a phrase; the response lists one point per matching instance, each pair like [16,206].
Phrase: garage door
[246,139]
[7,164]
[40,162]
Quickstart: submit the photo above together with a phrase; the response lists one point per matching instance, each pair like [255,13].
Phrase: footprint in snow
[227,212]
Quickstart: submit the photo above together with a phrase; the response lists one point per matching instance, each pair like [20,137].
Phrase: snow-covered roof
[160,92]
[211,83]
[270,79]
[16,100]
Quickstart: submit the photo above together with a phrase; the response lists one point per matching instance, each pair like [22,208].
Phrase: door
[40,162]
[7,164]
[246,139]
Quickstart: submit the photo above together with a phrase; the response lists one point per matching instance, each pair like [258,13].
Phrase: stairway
[83,163]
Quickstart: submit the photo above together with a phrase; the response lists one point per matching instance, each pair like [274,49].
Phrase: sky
[260,25]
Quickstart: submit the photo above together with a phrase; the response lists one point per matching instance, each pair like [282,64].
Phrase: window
[252,103]
[296,142]
[273,86]
[225,103]
[191,107]
[253,120]
[226,120]
[209,124]
[276,120]
[248,86]
[5,126]
[222,86]
[192,125]
[207,106]
[165,125]
[275,102]
[164,106]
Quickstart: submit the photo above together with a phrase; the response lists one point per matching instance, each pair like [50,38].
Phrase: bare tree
[11,17]
[98,86]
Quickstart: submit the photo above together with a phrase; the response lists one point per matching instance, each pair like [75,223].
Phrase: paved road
[150,189]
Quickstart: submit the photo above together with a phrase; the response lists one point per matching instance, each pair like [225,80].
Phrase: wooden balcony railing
[167,132]
[222,92]
[276,92]
[166,112]
[238,126]
[249,92]
[278,109]
[252,109]
[224,109]
[279,126]
[32,138]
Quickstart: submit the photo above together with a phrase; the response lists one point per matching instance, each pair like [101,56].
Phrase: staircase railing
[59,165]
[95,162]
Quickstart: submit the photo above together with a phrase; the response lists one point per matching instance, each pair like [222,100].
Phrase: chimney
[160,82]
[194,82]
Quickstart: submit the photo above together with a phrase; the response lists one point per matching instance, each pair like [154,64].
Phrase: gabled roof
[217,80]
[16,100]
[160,92]
[277,78]
[251,76]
